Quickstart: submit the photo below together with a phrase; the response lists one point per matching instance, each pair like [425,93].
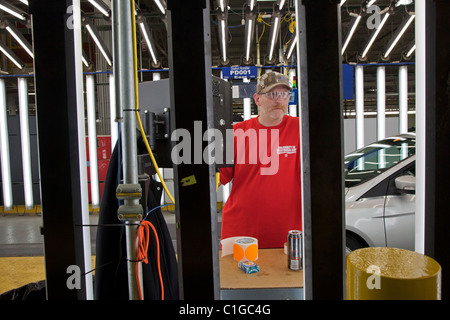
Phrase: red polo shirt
[265,198]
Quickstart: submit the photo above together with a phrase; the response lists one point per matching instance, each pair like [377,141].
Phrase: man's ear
[256,98]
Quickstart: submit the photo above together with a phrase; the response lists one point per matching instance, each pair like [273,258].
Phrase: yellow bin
[392,274]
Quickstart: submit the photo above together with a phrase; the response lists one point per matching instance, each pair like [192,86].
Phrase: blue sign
[239,72]
[347,74]
[293,97]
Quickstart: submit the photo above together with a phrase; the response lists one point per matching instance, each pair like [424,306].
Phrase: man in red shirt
[265,198]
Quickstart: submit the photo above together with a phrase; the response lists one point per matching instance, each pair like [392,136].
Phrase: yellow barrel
[392,274]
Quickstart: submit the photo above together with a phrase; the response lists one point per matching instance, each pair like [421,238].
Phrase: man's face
[273,104]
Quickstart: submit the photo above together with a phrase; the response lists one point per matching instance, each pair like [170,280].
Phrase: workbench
[274,281]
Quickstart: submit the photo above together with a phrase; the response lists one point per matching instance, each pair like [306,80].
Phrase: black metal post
[437,137]
[322,129]
[191,104]
[56,98]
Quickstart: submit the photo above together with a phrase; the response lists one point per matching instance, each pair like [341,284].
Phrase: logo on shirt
[286,150]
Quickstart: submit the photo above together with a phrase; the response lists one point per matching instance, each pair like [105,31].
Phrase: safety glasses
[277,94]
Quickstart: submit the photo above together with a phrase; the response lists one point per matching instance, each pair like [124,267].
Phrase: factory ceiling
[383,17]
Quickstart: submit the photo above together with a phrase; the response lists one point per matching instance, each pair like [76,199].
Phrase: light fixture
[25,142]
[12,10]
[403,98]
[86,60]
[101,6]
[11,55]
[275,27]
[354,24]
[4,153]
[403,2]
[249,32]
[281,4]
[112,111]
[11,28]
[24,1]
[374,35]
[410,51]
[99,42]
[251,4]
[291,46]
[222,5]
[92,136]
[224,41]
[161,4]
[398,34]
[359,105]
[145,31]
[342,2]
[222,17]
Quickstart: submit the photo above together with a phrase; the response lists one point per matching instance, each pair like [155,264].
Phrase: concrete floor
[22,247]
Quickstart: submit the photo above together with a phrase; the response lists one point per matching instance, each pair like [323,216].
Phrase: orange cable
[142,249]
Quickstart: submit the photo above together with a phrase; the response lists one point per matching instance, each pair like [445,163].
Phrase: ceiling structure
[236,12]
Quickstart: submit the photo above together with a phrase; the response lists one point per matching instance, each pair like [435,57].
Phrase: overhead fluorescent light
[403,2]
[25,143]
[19,38]
[99,42]
[249,32]
[354,24]
[410,51]
[223,37]
[145,30]
[86,61]
[12,10]
[101,6]
[375,35]
[273,34]
[161,4]
[281,3]
[251,4]
[249,27]
[11,55]
[92,136]
[222,5]
[291,46]
[398,34]
[4,151]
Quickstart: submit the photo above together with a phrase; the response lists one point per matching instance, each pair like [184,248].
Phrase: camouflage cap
[270,80]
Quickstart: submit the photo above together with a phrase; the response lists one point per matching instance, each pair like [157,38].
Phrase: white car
[380,194]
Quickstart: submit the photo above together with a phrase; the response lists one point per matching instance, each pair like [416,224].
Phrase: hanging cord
[136,94]
[142,249]
[143,229]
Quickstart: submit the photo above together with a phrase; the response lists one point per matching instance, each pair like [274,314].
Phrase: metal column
[321,129]
[130,191]
[57,96]
[433,133]
[191,100]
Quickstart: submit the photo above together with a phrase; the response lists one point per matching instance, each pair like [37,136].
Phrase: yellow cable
[136,93]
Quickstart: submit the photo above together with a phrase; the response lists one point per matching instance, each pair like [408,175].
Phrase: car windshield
[373,159]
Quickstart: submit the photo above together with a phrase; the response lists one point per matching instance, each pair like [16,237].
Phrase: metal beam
[321,129]
[434,130]
[191,100]
[57,100]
